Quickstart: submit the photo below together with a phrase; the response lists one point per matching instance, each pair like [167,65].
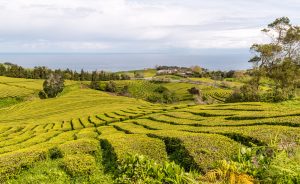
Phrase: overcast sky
[137,25]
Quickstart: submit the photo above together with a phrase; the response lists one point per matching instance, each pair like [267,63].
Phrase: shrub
[125,91]
[125,77]
[162,95]
[102,86]
[227,172]
[43,95]
[278,95]
[122,144]
[155,98]
[111,87]
[79,165]
[85,146]
[269,164]
[95,85]
[194,91]
[246,93]
[140,169]
[13,163]
[284,168]
[169,97]
[55,153]
[138,74]
[161,89]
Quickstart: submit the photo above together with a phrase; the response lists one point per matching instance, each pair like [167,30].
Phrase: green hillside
[142,89]
[82,135]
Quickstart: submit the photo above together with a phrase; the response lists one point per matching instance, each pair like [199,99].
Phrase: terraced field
[142,89]
[84,132]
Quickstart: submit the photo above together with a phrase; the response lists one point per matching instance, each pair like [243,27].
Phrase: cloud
[134,25]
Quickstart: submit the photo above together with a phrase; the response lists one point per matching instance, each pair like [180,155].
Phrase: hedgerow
[13,163]
[261,135]
[130,127]
[40,138]
[198,151]
[81,146]
[76,124]
[87,133]
[135,144]
[79,165]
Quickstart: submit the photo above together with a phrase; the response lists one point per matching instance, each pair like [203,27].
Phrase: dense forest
[42,72]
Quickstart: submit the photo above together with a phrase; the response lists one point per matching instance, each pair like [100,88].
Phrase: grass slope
[80,135]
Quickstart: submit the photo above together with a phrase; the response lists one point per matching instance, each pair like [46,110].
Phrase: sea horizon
[124,61]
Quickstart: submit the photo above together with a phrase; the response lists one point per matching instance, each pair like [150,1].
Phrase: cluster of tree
[162,95]
[112,87]
[279,61]
[42,72]
[216,75]
[96,77]
[53,85]
[138,75]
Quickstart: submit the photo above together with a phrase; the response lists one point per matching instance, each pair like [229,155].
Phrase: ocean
[123,62]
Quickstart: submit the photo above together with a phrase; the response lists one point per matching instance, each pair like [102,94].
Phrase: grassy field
[80,135]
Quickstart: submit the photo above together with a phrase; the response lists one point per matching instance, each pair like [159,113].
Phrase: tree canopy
[279,59]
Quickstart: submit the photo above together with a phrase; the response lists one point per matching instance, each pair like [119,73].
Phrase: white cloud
[130,25]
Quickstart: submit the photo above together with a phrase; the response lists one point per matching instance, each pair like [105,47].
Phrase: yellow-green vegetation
[214,92]
[83,135]
[147,72]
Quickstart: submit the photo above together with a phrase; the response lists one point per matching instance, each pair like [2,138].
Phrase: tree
[162,95]
[161,89]
[53,85]
[2,70]
[279,60]
[125,77]
[95,81]
[111,86]
[194,91]
[125,91]
[138,74]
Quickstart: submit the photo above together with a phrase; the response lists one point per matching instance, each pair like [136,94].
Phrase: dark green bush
[247,93]
[55,153]
[161,89]
[43,95]
[111,87]
[194,91]
[53,85]
[162,95]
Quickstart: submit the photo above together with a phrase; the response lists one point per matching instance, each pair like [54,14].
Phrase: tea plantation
[84,135]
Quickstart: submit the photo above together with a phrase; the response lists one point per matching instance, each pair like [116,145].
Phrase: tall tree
[53,85]
[280,59]
[95,80]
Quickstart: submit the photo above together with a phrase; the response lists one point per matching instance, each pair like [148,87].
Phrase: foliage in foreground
[259,165]
[251,165]
[270,165]
[140,169]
